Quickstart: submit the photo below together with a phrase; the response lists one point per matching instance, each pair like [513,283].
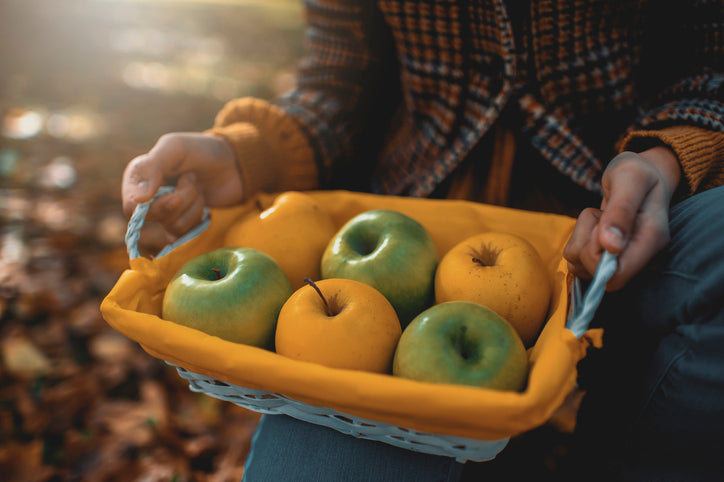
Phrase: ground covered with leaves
[86,86]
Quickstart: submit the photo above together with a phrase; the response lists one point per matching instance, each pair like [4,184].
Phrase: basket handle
[584,306]
[138,218]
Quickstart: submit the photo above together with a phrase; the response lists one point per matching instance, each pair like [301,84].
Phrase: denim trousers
[654,402]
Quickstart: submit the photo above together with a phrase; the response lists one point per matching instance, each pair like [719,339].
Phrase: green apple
[233,293]
[463,343]
[389,251]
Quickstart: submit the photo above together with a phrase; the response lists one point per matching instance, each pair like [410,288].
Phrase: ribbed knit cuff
[272,152]
[699,152]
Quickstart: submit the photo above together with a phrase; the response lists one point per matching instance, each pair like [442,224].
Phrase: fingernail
[615,237]
[141,190]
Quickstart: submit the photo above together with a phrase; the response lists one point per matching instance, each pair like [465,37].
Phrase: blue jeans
[285,449]
[654,408]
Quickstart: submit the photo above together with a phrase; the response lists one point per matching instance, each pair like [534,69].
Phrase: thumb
[141,180]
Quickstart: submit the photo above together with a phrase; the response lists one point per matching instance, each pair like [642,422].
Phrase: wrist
[248,153]
[667,164]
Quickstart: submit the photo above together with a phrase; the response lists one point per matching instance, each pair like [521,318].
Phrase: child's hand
[633,221]
[202,166]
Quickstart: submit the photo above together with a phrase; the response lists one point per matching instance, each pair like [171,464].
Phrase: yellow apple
[339,323]
[501,271]
[294,231]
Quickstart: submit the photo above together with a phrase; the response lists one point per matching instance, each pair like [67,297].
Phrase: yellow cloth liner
[134,304]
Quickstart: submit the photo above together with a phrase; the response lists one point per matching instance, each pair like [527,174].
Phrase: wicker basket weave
[462,449]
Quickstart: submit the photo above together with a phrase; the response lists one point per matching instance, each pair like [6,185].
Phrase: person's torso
[566,67]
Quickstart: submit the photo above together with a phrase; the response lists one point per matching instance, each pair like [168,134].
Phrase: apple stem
[485,256]
[217,272]
[258,205]
[319,292]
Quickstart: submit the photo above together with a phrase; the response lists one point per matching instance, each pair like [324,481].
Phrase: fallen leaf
[24,462]
[137,422]
[111,346]
[23,359]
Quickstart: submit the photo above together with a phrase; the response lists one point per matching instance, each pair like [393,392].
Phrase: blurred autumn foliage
[86,85]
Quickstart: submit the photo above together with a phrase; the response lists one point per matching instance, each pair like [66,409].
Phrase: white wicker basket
[462,449]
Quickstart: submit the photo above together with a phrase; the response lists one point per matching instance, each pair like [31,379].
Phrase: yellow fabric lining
[134,305]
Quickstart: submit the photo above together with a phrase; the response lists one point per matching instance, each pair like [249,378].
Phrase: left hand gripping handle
[138,218]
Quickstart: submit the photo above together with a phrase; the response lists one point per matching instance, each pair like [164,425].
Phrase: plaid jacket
[403,90]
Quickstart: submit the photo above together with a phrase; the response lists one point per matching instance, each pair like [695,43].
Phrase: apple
[462,343]
[339,323]
[501,271]
[294,231]
[389,251]
[233,293]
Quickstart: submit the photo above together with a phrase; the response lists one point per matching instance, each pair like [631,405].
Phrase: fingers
[209,157]
[145,174]
[141,180]
[582,250]
[181,210]
[632,222]
[626,186]
[650,235]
